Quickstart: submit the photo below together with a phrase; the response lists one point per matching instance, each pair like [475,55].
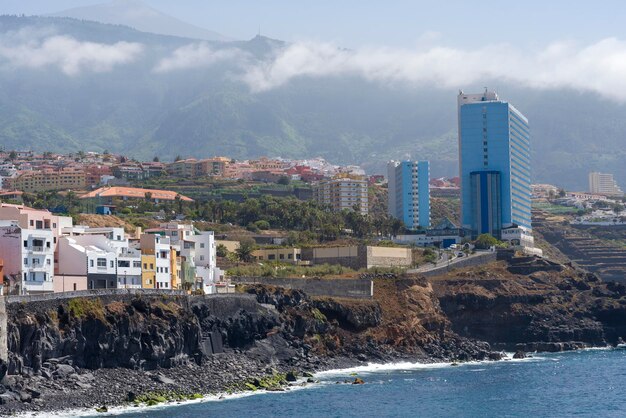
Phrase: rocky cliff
[110,350]
[546,309]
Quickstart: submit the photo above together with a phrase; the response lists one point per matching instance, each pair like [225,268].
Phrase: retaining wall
[474,261]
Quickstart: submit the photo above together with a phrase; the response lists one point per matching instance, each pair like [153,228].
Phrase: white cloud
[27,49]
[196,56]
[599,67]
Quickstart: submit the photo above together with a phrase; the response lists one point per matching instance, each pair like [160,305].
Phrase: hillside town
[88,220]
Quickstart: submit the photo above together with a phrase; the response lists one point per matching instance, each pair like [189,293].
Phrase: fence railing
[91,293]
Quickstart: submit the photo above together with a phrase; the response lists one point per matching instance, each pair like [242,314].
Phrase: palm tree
[244,252]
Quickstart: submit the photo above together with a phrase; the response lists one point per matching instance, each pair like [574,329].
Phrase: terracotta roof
[132,192]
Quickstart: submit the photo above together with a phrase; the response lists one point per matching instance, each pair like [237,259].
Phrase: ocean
[583,383]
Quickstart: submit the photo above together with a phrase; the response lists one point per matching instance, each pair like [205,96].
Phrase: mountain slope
[207,110]
[140,16]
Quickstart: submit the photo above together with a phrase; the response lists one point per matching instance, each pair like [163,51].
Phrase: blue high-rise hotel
[494,165]
[409,192]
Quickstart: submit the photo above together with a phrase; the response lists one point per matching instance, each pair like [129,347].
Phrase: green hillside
[206,111]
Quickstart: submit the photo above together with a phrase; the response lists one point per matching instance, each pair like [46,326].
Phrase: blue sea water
[583,383]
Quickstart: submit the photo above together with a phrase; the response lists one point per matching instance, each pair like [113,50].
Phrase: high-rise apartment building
[604,183]
[343,192]
[494,165]
[409,192]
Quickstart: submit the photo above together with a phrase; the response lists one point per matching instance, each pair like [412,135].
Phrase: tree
[244,252]
[562,192]
[12,155]
[178,158]
[485,241]
[155,159]
[221,250]
[284,180]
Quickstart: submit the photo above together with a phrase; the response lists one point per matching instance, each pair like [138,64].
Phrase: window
[26,261]
[167,270]
[47,261]
[90,263]
[119,237]
[137,264]
[48,244]
[145,266]
[102,262]
[25,244]
[271,257]
[201,258]
[111,264]
[32,223]
[151,266]
[202,245]
[54,225]
[281,256]
[290,256]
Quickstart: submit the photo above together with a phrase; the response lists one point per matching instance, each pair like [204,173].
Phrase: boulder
[519,355]
[291,376]
[358,381]
[64,370]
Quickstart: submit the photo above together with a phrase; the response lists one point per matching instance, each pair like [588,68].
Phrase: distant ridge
[138,15]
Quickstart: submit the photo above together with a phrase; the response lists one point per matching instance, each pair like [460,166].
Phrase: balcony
[38,249]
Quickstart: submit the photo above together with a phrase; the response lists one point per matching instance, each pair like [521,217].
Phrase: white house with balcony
[200,249]
[163,262]
[88,259]
[129,269]
[28,256]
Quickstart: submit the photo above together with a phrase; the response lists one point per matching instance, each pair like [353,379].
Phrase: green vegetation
[282,270]
[275,381]
[318,315]
[555,209]
[275,269]
[86,308]
[159,397]
[485,241]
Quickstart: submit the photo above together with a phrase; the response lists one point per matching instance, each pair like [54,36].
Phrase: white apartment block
[88,259]
[343,192]
[129,269]
[604,184]
[28,256]
[162,253]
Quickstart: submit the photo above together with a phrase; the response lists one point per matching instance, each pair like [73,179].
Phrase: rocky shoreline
[72,388]
[99,353]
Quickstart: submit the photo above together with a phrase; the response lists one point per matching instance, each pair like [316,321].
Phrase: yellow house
[148,272]
[174,269]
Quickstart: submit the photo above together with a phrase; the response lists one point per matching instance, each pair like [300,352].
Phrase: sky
[396,23]
[450,44]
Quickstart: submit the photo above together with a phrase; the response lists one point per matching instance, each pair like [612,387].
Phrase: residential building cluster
[104,177]
[41,252]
